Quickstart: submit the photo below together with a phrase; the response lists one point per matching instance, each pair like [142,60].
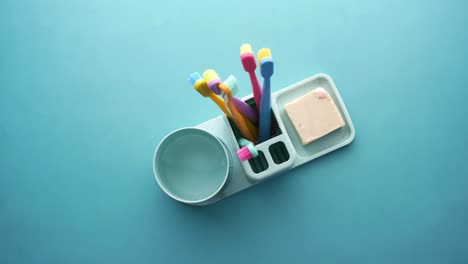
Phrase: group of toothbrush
[243,115]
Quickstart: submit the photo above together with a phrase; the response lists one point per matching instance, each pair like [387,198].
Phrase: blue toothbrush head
[194,77]
[266,62]
[266,67]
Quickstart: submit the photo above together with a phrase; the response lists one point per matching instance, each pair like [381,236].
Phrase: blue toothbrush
[266,70]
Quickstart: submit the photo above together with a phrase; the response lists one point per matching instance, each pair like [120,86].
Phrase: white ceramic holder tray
[285,150]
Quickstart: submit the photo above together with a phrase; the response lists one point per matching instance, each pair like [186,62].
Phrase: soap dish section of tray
[285,150]
[332,141]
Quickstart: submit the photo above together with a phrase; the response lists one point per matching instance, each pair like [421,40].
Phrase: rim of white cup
[175,197]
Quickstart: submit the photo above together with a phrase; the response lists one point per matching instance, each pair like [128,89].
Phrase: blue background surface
[88,89]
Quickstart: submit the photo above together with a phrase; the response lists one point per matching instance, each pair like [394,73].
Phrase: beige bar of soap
[314,115]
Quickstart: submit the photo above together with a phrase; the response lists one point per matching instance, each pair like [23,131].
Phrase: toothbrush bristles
[263,53]
[245,48]
[210,75]
[194,77]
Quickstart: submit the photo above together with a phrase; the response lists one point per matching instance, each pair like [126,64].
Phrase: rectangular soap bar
[314,115]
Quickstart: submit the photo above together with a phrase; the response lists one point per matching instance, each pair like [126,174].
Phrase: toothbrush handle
[265,112]
[245,110]
[240,122]
[251,127]
[257,90]
[238,118]
[221,104]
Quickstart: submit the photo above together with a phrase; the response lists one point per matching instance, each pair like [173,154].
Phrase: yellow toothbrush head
[213,80]
[263,54]
[210,75]
[202,87]
[245,48]
[199,84]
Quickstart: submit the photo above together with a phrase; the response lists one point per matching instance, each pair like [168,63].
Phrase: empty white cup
[191,165]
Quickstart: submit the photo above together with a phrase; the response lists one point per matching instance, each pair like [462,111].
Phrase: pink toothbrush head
[248,58]
[248,150]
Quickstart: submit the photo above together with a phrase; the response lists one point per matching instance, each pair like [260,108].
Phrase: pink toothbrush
[249,63]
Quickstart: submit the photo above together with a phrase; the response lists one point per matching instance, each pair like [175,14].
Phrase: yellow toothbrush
[202,87]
